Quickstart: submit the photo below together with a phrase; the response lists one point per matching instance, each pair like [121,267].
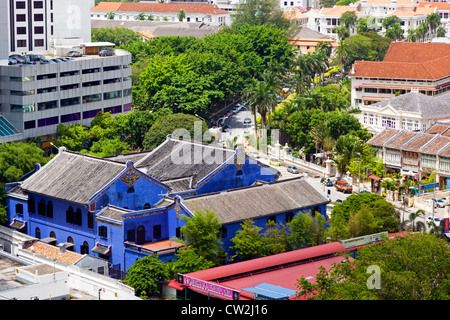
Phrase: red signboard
[446,225]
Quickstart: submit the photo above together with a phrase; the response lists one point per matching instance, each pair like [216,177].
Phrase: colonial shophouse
[118,210]
[416,154]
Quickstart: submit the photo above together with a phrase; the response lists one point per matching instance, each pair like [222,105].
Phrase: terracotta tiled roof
[337,11]
[399,140]
[53,252]
[402,12]
[445,152]
[434,146]
[419,141]
[438,128]
[158,7]
[404,60]
[439,5]
[416,52]
[382,137]
[388,2]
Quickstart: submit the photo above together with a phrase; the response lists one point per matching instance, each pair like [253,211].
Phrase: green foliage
[107,135]
[275,239]
[145,274]
[192,75]
[306,230]
[3,207]
[259,13]
[117,35]
[17,159]
[362,214]
[177,124]
[201,234]
[188,260]
[248,243]
[415,267]
[367,46]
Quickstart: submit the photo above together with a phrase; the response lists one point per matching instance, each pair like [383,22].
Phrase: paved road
[238,128]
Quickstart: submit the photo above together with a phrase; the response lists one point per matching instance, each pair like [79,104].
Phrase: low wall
[78,278]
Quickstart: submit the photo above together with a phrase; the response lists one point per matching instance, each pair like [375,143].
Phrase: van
[343,186]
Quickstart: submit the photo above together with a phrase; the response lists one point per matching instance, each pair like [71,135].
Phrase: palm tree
[412,219]
[342,53]
[110,15]
[395,32]
[422,31]
[259,96]
[347,147]
[181,15]
[273,79]
[302,71]
[141,16]
[412,35]
[440,32]
[433,20]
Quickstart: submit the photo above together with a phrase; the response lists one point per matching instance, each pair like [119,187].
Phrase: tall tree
[201,233]
[434,21]
[248,243]
[146,274]
[259,12]
[412,267]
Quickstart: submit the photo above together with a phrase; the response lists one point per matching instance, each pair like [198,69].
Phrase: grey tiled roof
[429,107]
[259,200]
[72,176]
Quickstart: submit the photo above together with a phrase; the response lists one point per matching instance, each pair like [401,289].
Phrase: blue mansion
[123,208]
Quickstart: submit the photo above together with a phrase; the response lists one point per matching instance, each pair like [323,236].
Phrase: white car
[430,203]
[435,220]
[440,203]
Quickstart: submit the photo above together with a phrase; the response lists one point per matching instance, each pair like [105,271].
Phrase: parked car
[34,57]
[343,186]
[430,203]
[435,220]
[292,169]
[440,203]
[104,53]
[274,162]
[19,58]
[254,154]
[247,120]
[74,54]
[12,61]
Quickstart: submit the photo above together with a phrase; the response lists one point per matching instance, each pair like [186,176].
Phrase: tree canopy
[17,159]
[413,267]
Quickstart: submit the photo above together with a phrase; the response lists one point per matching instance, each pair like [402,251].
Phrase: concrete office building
[35,98]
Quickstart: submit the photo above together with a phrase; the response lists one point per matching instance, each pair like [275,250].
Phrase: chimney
[62,248]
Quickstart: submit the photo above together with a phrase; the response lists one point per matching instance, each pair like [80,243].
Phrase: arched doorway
[140,239]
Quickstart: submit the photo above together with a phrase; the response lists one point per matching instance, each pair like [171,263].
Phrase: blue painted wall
[59,225]
[143,192]
[231,177]
[281,218]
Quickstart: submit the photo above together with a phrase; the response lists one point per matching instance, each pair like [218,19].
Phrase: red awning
[374,177]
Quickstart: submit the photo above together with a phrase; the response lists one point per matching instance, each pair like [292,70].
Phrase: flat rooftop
[48,56]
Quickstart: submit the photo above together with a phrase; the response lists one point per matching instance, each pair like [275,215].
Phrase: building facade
[118,210]
[206,13]
[412,111]
[416,155]
[406,67]
[35,98]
